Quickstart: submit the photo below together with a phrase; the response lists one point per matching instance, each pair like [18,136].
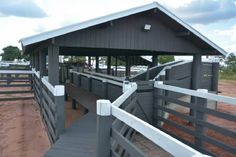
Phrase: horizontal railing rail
[51,102]
[102,87]
[209,125]
[16,85]
[106,110]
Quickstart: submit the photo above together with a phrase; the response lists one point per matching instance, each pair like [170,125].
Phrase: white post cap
[59,90]
[126,86]
[103,107]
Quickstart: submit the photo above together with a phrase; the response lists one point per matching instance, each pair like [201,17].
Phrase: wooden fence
[199,134]
[51,102]
[114,138]
[15,85]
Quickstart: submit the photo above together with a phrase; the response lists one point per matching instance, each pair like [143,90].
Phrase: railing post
[157,112]
[79,80]
[60,111]
[215,77]
[90,86]
[201,102]
[105,90]
[126,86]
[104,122]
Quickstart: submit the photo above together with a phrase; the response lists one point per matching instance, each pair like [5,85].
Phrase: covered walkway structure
[134,104]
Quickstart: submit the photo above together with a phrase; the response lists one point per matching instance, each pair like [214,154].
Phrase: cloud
[21,8]
[207,11]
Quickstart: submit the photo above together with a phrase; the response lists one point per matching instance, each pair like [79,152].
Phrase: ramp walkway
[80,138]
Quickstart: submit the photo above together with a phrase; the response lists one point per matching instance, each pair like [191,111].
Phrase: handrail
[158,66]
[16,72]
[125,95]
[104,76]
[168,143]
[162,72]
[97,78]
[195,93]
[57,90]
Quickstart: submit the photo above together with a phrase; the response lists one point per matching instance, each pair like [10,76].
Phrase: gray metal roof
[75,27]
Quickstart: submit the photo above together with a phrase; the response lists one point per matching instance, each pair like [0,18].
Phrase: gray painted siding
[97,88]
[113,92]
[127,33]
[85,83]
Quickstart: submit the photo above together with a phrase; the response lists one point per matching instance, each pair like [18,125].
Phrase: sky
[215,19]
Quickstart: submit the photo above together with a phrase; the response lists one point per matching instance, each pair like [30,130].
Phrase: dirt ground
[22,133]
[227,88]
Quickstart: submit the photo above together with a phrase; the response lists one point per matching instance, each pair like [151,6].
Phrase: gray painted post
[104,122]
[79,80]
[116,65]
[196,78]
[154,60]
[36,57]
[97,63]
[60,111]
[157,102]
[90,84]
[127,66]
[73,104]
[42,63]
[108,65]
[201,102]
[215,76]
[105,90]
[89,62]
[53,65]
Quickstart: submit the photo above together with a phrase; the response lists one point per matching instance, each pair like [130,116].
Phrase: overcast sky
[216,19]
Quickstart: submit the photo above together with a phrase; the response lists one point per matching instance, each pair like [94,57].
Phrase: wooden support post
[154,60]
[157,112]
[60,111]
[53,65]
[89,63]
[108,65]
[42,64]
[73,104]
[36,57]
[97,63]
[196,78]
[215,77]
[104,123]
[127,66]
[201,102]
[105,94]
[116,65]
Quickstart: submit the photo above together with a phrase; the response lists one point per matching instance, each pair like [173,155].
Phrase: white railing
[16,72]
[97,78]
[165,141]
[57,90]
[210,96]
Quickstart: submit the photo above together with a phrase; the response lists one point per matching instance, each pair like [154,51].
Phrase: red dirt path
[227,88]
[22,133]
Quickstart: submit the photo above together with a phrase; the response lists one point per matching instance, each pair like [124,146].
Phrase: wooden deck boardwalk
[79,140]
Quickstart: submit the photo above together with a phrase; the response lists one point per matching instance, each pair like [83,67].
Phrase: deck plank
[80,138]
[77,140]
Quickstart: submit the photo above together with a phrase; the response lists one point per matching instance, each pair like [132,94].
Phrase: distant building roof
[75,27]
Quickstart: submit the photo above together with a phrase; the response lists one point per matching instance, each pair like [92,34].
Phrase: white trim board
[75,27]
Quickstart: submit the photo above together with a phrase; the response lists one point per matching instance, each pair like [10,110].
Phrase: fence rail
[15,85]
[202,127]
[51,102]
[106,110]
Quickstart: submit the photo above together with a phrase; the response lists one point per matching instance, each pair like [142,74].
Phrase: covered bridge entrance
[109,126]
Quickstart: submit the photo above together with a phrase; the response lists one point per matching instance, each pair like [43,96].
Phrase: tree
[231,63]
[165,59]
[10,53]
